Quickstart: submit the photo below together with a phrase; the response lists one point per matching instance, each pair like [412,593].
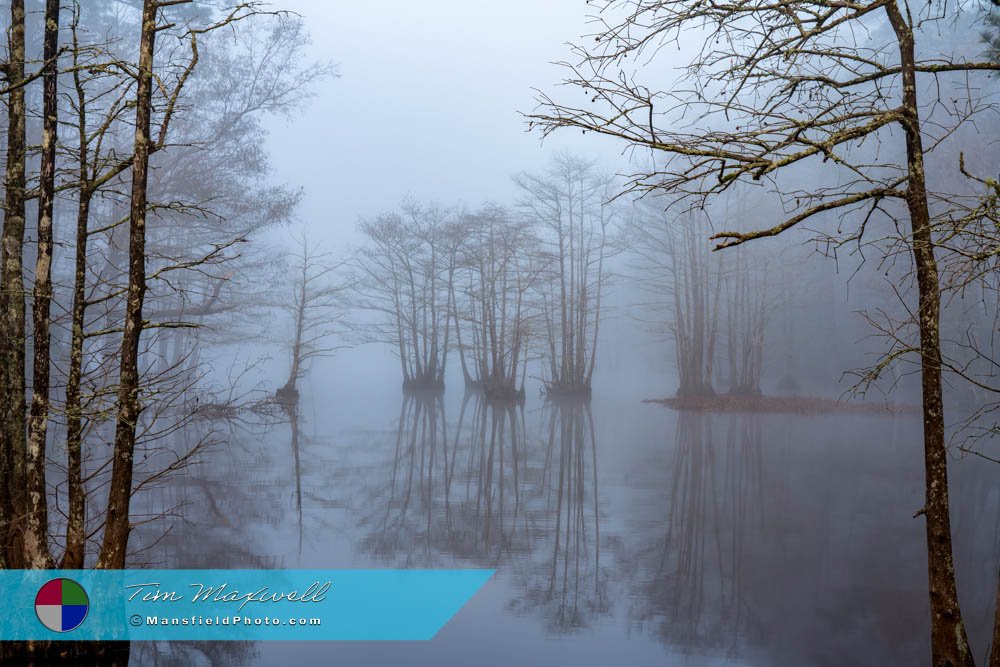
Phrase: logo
[61,605]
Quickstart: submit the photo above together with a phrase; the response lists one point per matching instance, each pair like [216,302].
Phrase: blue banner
[232,604]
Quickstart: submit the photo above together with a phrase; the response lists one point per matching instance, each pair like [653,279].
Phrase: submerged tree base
[568,391]
[701,390]
[286,396]
[501,393]
[423,385]
[778,404]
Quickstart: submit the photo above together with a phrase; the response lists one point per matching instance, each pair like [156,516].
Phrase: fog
[429,103]
[681,316]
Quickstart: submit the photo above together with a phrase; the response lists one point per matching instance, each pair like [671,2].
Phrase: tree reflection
[292,413]
[734,535]
[690,583]
[457,499]
[486,495]
[569,584]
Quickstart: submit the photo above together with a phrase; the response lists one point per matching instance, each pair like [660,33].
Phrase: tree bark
[12,311]
[36,547]
[117,526]
[949,643]
[73,557]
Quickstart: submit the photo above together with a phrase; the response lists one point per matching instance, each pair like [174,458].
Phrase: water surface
[622,533]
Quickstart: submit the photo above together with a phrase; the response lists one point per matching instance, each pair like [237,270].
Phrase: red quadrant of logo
[50,593]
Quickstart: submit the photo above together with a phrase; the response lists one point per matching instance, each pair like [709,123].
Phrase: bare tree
[494,307]
[36,546]
[568,204]
[213,187]
[207,195]
[684,289]
[12,322]
[73,556]
[713,308]
[315,306]
[747,308]
[814,84]
[408,271]
[110,326]
[117,525]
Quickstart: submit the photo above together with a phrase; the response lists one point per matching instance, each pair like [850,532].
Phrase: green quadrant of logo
[73,593]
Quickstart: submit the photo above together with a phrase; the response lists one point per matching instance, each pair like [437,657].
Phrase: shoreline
[779,405]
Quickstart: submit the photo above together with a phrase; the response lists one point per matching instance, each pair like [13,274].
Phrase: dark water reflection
[483,493]
[621,532]
[689,581]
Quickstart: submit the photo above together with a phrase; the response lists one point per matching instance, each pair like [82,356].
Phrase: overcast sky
[426,105]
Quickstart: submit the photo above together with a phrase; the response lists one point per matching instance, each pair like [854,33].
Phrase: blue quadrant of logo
[72,616]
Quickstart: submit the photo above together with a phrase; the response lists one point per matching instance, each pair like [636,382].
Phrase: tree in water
[315,305]
[569,205]
[494,302]
[684,288]
[408,268]
[747,308]
[704,304]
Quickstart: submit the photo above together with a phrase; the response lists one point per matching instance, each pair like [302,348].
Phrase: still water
[622,533]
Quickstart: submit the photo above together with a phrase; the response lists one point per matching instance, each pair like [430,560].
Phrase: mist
[680,316]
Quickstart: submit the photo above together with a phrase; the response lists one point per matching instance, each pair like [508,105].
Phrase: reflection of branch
[574,586]
[691,578]
[180,462]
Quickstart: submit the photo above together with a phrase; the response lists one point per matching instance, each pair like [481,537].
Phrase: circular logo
[61,605]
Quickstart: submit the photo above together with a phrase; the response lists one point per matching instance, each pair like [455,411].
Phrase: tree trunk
[117,527]
[36,547]
[73,557]
[75,553]
[12,312]
[289,392]
[949,643]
